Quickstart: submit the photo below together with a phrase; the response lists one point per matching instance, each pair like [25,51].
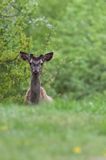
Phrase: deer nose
[36,72]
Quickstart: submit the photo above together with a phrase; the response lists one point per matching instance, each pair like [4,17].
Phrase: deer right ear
[48,56]
[24,56]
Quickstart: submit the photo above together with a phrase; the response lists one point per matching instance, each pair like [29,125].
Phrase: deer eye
[30,63]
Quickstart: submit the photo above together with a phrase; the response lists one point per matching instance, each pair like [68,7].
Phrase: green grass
[64,130]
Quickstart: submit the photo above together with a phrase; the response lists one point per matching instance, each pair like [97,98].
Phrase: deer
[36,93]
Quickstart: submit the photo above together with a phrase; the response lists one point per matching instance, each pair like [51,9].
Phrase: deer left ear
[24,56]
[48,56]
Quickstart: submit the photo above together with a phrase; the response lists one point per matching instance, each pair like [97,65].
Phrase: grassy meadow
[62,130]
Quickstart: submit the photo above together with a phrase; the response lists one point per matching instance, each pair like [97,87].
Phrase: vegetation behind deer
[74,30]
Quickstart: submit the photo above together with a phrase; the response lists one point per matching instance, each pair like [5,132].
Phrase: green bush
[74,30]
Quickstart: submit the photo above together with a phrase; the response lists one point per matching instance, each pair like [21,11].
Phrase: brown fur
[43,96]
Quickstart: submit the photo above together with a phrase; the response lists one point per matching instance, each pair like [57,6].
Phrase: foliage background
[74,30]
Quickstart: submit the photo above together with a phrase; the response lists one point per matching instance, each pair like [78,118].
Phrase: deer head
[36,62]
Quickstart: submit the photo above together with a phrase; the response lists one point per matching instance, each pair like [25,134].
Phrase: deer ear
[24,56]
[48,56]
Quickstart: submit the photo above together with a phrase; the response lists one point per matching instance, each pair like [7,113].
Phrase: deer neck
[35,88]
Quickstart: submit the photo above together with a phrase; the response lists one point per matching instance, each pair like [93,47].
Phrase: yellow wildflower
[77,150]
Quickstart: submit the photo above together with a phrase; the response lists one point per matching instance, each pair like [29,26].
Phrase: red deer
[36,92]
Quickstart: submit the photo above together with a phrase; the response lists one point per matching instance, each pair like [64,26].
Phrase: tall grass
[64,129]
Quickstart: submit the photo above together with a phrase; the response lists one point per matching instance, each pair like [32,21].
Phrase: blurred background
[74,125]
[73,29]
